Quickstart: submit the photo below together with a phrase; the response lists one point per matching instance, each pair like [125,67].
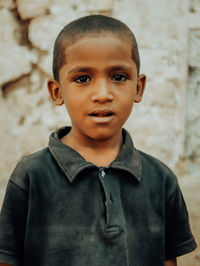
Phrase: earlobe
[54,92]
[140,88]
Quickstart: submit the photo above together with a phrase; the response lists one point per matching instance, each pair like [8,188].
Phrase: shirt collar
[72,163]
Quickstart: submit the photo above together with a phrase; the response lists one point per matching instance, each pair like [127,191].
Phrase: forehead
[104,48]
[90,37]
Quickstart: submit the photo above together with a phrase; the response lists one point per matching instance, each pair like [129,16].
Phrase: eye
[82,79]
[119,77]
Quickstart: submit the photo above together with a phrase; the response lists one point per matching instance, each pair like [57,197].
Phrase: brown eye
[119,77]
[82,79]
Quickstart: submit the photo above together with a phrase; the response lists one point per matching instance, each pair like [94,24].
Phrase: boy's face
[98,85]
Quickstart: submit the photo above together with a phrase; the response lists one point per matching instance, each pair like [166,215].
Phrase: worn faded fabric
[60,210]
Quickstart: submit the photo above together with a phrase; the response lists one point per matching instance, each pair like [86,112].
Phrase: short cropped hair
[93,24]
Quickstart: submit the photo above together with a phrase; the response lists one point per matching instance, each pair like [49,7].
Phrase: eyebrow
[79,69]
[120,67]
[89,69]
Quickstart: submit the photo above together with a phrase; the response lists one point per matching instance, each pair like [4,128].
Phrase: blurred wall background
[166,124]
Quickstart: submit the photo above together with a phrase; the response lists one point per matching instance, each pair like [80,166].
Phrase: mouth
[102,116]
[101,113]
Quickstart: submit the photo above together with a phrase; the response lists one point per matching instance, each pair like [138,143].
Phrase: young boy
[91,198]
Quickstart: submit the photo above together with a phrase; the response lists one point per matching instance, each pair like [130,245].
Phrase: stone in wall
[80,8]
[194,20]
[193,98]
[29,105]
[192,143]
[195,6]
[104,6]
[30,118]
[194,51]
[17,60]
[69,8]
[7,4]
[30,9]
[45,63]
[44,30]
[8,27]
[6,147]
[18,63]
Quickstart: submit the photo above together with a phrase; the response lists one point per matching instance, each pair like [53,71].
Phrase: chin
[101,136]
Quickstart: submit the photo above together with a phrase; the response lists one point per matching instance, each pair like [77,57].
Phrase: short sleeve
[13,222]
[178,236]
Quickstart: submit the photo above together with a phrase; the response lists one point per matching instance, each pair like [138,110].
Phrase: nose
[102,92]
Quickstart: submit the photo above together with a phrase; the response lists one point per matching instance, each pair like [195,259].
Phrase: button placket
[114,229]
[113,217]
[102,175]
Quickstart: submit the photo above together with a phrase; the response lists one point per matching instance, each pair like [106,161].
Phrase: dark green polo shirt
[60,210]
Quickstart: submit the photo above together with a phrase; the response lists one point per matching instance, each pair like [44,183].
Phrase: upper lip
[102,112]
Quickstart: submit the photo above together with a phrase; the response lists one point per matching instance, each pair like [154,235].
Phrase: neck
[100,152]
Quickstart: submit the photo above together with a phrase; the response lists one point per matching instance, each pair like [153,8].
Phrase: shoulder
[37,157]
[156,171]
[150,162]
[30,165]
[34,160]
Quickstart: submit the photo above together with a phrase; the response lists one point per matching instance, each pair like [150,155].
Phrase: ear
[55,92]
[141,82]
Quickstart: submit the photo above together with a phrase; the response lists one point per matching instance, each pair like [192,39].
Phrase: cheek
[128,92]
[126,109]
[75,107]
[70,99]
[127,99]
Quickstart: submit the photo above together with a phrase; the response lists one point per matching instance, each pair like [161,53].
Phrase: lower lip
[101,119]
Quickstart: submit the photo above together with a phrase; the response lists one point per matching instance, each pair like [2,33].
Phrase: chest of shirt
[100,199]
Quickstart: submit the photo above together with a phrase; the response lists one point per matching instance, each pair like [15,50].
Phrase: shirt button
[103,173]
